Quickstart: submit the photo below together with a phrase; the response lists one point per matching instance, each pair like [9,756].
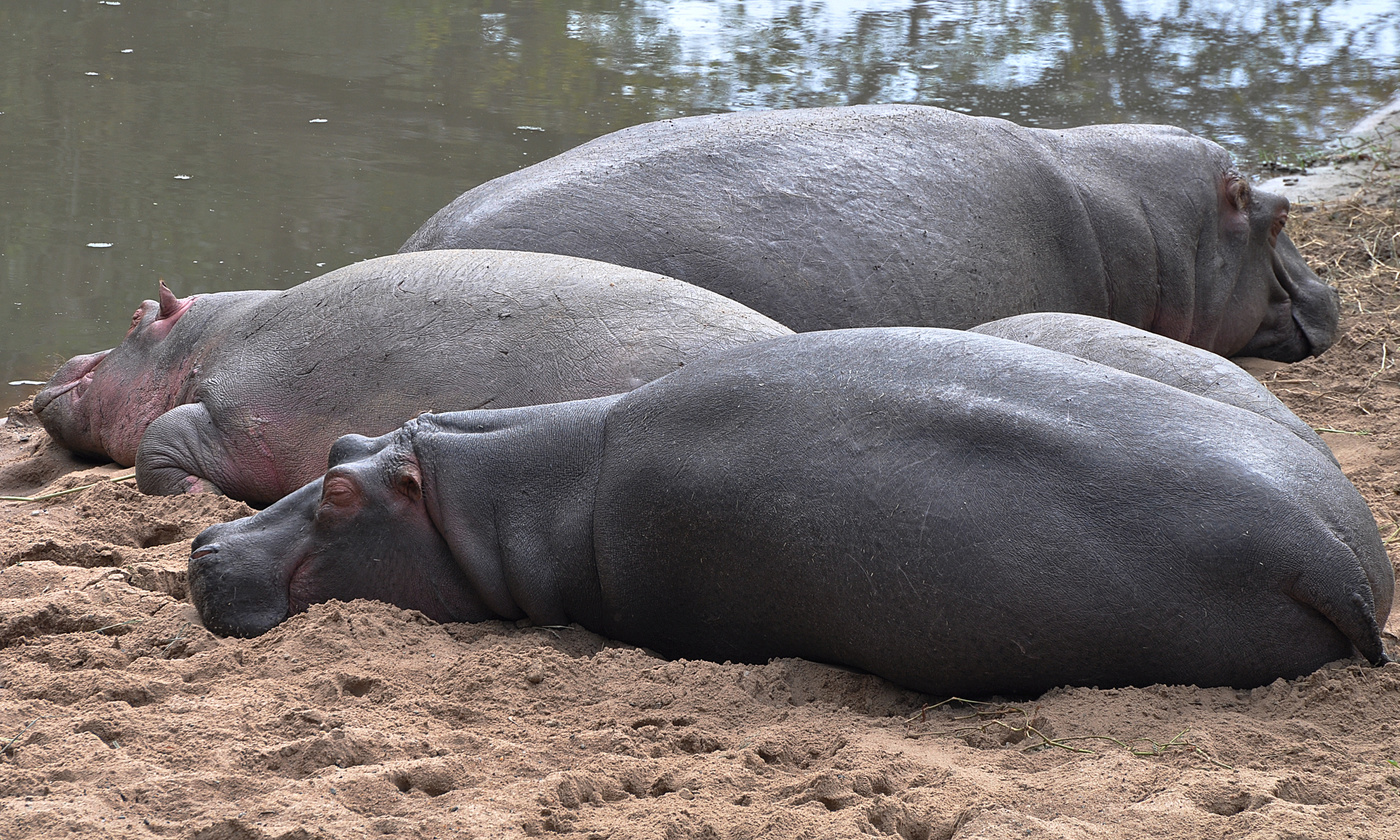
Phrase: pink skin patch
[195,484]
[123,407]
[108,406]
[78,371]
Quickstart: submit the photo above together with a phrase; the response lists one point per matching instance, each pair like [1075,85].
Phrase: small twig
[1394,535]
[8,747]
[174,640]
[922,714]
[118,624]
[1331,430]
[58,493]
[1156,748]
[552,628]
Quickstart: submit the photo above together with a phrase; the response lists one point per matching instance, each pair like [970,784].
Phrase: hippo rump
[244,392]
[1155,357]
[905,215]
[956,512]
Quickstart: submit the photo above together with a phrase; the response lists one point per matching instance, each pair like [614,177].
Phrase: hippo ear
[171,308]
[169,304]
[408,480]
[1238,191]
[1234,193]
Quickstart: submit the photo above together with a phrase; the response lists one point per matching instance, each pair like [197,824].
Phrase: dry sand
[120,716]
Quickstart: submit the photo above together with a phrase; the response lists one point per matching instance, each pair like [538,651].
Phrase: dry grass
[1354,244]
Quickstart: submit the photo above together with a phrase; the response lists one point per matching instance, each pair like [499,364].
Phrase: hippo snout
[237,591]
[240,572]
[58,407]
[204,541]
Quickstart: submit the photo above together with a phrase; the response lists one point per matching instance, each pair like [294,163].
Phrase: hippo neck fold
[1160,255]
[512,492]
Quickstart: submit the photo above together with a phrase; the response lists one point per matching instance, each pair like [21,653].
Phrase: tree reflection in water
[309,135]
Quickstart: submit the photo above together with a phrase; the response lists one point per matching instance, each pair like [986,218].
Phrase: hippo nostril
[204,551]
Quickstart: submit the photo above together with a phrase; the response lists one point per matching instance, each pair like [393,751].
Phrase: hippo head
[1288,312]
[361,531]
[99,405]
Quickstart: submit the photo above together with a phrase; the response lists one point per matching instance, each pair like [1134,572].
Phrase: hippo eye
[1279,221]
[338,492]
[135,320]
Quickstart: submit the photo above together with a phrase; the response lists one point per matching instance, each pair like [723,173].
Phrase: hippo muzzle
[58,405]
[241,572]
[1302,321]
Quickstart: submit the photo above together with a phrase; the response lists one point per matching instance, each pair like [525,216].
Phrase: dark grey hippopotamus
[955,512]
[904,215]
[1155,357]
[244,392]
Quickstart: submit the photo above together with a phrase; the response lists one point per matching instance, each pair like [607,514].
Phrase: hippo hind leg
[1350,609]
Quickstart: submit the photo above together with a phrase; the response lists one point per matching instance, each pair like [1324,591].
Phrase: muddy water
[224,144]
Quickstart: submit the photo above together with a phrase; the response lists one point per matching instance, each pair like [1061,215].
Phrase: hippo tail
[1348,604]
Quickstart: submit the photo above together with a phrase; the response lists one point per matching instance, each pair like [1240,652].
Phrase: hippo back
[909,215]
[366,347]
[1156,357]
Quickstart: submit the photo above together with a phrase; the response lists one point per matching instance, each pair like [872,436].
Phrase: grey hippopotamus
[956,512]
[244,392]
[905,215]
[1155,357]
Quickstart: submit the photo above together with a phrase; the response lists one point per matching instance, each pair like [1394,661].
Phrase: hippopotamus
[243,393]
[907,215]
[956,512]
[1155,357]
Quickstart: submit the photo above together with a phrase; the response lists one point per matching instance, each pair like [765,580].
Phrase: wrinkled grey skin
[956,512]
[244,392]
[905,215]
[1155,357]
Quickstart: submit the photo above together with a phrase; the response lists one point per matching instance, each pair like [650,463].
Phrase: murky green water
[224,144]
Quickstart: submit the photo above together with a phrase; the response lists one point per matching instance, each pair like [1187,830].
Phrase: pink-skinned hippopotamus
[890,215]
[959,513]
[244,392]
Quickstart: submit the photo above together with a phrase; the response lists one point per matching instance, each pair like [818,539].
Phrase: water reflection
[224,144]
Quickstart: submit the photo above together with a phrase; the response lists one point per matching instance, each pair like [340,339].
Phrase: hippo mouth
[299,600]
[77,380]
[232,604]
